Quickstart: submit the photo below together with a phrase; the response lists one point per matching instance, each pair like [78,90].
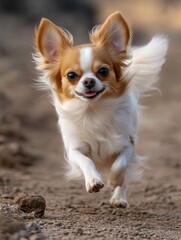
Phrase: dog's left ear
[51,41]
[113,34]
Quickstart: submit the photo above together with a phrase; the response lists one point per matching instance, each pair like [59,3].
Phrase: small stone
[59,224]
[79,232]
[33,227]
[31,203]
[102,204]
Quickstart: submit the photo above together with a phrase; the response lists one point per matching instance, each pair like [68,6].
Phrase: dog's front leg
[92,177]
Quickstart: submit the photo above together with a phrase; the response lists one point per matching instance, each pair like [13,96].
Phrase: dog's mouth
[90,94]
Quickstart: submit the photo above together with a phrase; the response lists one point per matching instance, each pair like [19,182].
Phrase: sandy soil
[31,159]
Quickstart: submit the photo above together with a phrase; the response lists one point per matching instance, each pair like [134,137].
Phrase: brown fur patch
[69,63]
[102,58]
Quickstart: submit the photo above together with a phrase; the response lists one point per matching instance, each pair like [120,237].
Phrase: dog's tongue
[90,94]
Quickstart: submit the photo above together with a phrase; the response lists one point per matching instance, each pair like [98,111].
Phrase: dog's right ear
[51,41]
[114,34]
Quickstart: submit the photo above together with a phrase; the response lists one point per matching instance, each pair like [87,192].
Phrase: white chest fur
[102,128]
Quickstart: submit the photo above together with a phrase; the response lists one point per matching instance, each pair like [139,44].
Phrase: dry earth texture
[32,159]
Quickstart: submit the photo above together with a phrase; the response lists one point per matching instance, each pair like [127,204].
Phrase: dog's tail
[146,64]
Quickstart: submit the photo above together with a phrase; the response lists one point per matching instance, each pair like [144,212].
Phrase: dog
[95,89]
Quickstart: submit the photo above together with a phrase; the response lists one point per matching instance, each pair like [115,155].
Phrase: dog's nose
[89,82]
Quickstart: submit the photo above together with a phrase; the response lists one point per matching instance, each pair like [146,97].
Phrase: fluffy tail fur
[146,65]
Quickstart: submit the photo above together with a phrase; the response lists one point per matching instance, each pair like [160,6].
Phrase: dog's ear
[51,41]
[114,34]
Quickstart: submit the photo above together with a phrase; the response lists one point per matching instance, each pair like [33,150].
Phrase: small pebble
[31,203]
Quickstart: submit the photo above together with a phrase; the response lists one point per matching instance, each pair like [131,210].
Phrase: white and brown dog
[95,90]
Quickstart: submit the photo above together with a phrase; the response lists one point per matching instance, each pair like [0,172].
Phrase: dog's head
[90,71]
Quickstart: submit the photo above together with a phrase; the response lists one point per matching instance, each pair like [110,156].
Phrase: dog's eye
[71,76]
[103,72]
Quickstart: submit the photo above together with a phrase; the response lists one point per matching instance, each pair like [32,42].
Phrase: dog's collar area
[90,94]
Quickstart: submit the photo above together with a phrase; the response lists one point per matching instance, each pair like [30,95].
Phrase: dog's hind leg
[118,198]
[116,179]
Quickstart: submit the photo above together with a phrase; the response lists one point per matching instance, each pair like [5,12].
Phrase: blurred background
[18,19]
[28,123]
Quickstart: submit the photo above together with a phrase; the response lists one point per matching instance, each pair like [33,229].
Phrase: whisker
[55,90]
[111,87]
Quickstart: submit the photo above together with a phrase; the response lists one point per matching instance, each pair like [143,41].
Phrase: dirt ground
[32,161]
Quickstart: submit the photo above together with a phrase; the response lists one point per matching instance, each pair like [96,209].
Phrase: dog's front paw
[94,185]
[118,203]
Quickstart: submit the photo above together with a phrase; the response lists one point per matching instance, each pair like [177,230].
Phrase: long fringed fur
[146,64]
